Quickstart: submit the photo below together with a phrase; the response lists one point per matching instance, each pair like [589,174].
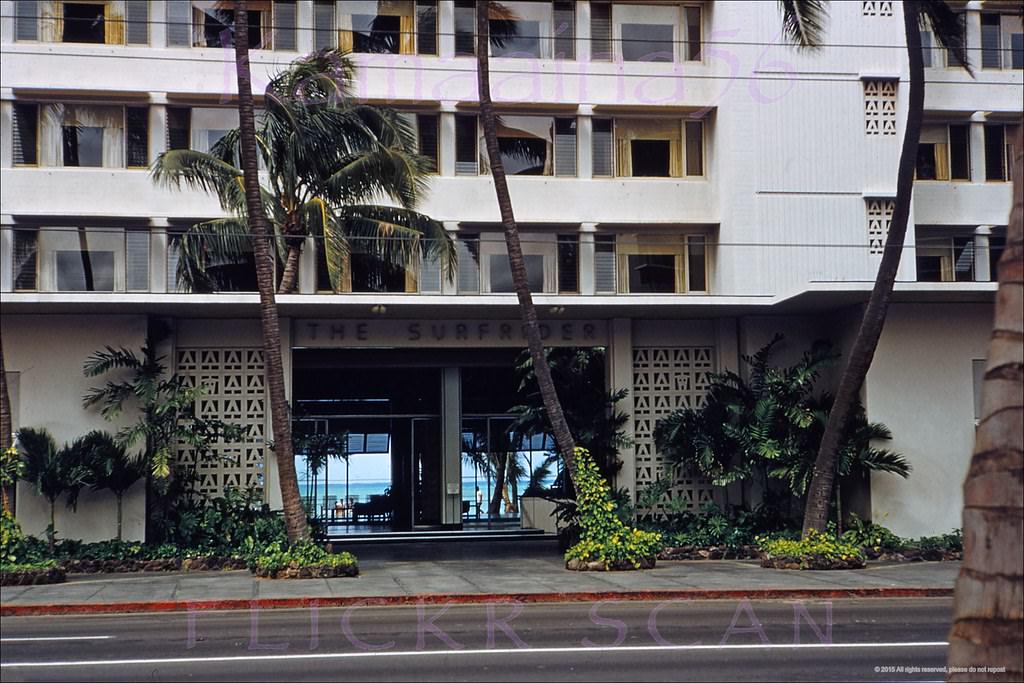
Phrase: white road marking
[53,638]
[458,653]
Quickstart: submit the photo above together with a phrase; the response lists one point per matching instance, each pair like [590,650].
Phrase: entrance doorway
[385,470]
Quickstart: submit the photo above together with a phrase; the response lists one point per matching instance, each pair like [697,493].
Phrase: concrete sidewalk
[410,575]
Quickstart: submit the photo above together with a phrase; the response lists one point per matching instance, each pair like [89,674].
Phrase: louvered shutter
[179,23]
[136,17]
[565,147]
[602,147]
[284,25]
[600,31]
[136,260]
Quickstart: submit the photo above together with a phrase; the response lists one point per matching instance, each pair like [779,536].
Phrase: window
[952,60]
[378,27]
[84,22]
[285,25]
[569,264]
[465,28]
[604,264]
[325,36]
[540,253]
[944,153]
[211,23]
[650,33]
[468,277]
[88,259]
[372,273]
[524,31]
[1002,41]
[661,264]
[960,152]
[465,144]
[136,137]
[83,145]
[654,148]
[426,27]
[526,144]
[926,46]
[136,19]
[990,57]
[565,147]
[600,30]
[26,20]
[25,128]
[601,139]
[995,152]
[178,128]
[564,29]
[26,260]
[427,134]
[207,125]
[945,259]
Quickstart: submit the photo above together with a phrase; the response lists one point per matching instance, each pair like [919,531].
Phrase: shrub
[30,573]
[303,560]
[11,538]
[816,551]
[603,536]
[865,534]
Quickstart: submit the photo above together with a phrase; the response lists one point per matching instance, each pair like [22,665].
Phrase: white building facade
[694,187]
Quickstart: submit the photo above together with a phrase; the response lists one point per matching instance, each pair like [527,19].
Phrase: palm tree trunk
[294,515]
[552,405]
[83,251]
[51,531]
[120,499]
[987,611]
[819,494]
[6,427]
[494,507]
[290,276]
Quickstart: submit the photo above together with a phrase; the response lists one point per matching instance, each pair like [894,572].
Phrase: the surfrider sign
[355,333]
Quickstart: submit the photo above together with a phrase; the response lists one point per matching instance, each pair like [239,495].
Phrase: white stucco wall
[48,353]
[920,385]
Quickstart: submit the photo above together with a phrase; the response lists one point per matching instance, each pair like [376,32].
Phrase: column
[158,255]
[587,231]
[307,266]
[972,17]
[584,142]
[446,139]
[982,262]
[157,124]
[583,31]
[7,130]
[446,29]
[977,144]
[158,23]
[304,26]
[6,254]
[451,446]
[620,364]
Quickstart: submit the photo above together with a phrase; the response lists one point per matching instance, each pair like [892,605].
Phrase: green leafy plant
[11,469]
[816,551]
[865,534]
[278,557]
[603,536]
[768,427]
[111,468]
[52,472]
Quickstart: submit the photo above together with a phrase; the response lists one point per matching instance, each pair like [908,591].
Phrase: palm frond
[803,22]
[109,359]
[207,244]
[201,171]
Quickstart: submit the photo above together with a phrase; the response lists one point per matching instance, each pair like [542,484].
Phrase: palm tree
[259,228]
[327,160]
[987,625]
[552,404]
[946,28]
[6,425]
[112,468]
[52,472]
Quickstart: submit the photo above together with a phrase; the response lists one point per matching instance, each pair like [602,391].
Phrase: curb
[471,599]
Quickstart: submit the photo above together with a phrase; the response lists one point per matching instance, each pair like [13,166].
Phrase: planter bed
[615,566]
[692,552]
[172,564]
[322,572]
[32,576]
[811,562]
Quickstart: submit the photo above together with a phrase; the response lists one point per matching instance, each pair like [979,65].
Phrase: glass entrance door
[427,484]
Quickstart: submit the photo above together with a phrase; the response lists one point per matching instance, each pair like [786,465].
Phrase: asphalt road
[628,641]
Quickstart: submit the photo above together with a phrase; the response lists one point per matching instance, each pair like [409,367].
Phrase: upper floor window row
[546,29]
[944,153]
[1002,44]
[620,147]
[80,135]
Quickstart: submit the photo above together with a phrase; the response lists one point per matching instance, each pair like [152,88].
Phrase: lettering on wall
[341,333]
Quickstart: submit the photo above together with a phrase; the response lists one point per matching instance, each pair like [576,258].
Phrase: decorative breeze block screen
[877,8]
[879,219]
[666,379]
[880,107]
[234,391]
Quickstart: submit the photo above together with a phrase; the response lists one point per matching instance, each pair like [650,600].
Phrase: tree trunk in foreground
[6,426]
[988,608]
[294,515]
[531,328]
[819,493]
[290,276]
